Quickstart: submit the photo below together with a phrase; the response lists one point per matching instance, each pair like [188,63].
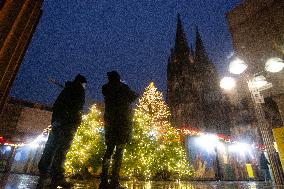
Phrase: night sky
[132,37]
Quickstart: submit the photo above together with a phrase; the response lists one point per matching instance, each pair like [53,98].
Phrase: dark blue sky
[134,37]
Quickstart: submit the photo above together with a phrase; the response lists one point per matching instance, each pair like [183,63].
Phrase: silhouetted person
[218,174]
[66,117]
[118,127]
[263,162]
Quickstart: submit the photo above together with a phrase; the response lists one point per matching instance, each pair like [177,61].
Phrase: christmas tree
[88,146]
[155,149]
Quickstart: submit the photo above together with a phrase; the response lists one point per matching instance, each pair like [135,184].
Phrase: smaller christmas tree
[88,145]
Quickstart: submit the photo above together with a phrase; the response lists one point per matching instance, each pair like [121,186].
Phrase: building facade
[193,92]
[18,20]
[257,29]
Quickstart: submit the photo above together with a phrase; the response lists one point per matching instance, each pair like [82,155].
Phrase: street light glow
[274,65]
[39,139]
[237,66]
[227,83]
[260,81]
[240,148]
[208,142]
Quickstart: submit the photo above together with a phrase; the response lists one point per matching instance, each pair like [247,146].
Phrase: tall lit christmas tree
[88,145]
[156,148]
[155,151]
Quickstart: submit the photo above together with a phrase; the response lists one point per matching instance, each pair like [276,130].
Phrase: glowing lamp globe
[237,66]
[260,81]
[274,65]
[227,83]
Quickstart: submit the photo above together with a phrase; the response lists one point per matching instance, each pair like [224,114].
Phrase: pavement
[23,181]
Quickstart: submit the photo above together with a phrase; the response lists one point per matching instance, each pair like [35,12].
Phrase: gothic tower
[193,93]
[180,95]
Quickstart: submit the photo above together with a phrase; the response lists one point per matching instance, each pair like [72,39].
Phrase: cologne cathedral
[193,93]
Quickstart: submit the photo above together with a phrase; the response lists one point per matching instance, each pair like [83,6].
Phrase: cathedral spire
[200,52]
[181,45]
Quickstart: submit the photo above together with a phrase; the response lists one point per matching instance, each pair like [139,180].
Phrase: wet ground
[22,181]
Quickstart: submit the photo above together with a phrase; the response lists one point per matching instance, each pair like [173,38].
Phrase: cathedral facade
[193,93]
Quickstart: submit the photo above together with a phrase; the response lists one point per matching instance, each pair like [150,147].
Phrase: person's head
[113,76]
[81,79]
[262,153]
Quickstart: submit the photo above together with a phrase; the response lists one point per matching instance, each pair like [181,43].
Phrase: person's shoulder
[105,86]
[73,87]
[67,87]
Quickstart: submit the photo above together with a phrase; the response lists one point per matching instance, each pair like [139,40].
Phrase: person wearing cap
[66,118]
[118,127]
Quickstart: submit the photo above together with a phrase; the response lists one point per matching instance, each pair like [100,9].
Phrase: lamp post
[237,66]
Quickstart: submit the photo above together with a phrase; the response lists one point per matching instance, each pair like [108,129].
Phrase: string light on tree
[156,148]
[88,145]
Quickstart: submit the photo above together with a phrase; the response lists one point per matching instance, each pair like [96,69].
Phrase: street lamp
[274,65]
[237,66]
[228,83]
[261,83]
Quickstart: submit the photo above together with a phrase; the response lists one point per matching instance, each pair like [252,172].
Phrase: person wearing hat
[118,127]
[66,118]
